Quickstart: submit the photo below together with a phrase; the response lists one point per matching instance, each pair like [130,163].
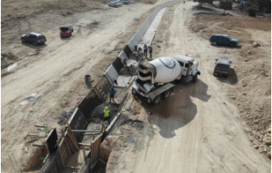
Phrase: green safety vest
[106,113]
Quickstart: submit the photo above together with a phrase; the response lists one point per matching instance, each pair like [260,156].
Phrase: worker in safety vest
[106,115]
[112,93]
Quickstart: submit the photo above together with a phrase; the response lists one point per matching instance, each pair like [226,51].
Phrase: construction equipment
[155,79]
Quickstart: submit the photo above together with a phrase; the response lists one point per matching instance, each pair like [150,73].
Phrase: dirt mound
[98,113]
[65,115]
[7,59]
[253,70]
[9,56]
[130,71]
[149,1]
[10,10]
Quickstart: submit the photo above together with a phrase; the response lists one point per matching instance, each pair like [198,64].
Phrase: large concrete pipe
[88,81]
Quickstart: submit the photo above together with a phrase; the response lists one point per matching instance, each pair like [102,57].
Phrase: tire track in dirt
[206,136]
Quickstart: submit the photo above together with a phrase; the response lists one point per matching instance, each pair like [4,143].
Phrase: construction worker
[145,50]
[125,62]
[106,115]
[112,93]
[150,51]
[137,56]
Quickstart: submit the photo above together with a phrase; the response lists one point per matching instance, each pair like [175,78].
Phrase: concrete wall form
[88,104]
[122,55]
[117,63]
[78,122]
[135,40]
[127,51]
[111,74]
[103,86]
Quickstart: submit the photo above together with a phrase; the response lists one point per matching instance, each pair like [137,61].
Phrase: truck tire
[214,43]
[157,99]
[23,41]
[149,101]
[166,94]
[134,92]
[194,78]
[35,43]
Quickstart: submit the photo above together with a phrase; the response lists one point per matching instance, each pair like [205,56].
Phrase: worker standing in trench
[150,51]
[145,50]
[112,93]
[106,115]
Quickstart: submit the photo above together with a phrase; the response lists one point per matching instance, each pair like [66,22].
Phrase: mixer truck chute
[154,79]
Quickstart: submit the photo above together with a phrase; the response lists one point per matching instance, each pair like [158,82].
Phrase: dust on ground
[250,88]
[215,125]
[57,69]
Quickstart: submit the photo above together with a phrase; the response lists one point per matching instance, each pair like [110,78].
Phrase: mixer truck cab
[189,68]
[154,80]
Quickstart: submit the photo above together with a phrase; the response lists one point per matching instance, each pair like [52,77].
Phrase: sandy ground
[57,69]
[202,127]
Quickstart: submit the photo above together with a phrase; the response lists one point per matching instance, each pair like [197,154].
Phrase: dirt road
[56,70]
[197,129]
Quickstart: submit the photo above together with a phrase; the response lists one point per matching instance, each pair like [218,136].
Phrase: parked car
[114,4]
[123,1]
[218,39]
[222,67]
[34,38]
[119,3]
[66,31]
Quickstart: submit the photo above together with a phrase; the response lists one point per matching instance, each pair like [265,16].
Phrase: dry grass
[149,1]
[236,27]
[20,9]
[252,66]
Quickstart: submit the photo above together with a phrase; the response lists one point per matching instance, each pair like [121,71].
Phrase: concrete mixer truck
[155,79]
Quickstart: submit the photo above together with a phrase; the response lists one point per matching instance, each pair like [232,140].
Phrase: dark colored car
[218,39]
[34,38]
[222,67]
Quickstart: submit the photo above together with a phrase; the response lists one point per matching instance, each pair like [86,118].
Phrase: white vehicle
[154,79]
[114,4]
[123,1]
[118,3]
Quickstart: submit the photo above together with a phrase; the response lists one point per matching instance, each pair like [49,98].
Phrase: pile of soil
[251,90]
[7,59]
[9,56]
[98,113]
[130,71]
[65,115]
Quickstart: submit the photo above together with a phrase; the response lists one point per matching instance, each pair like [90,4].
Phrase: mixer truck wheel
[157,99]
[134,92]
[149,101]
[166,94]
[194,78]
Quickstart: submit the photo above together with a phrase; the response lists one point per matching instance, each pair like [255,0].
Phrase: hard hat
[106,108]
[112,87]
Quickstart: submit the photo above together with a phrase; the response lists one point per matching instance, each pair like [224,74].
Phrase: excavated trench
[90,112]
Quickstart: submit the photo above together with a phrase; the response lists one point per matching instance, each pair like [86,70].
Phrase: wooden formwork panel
[95,149]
